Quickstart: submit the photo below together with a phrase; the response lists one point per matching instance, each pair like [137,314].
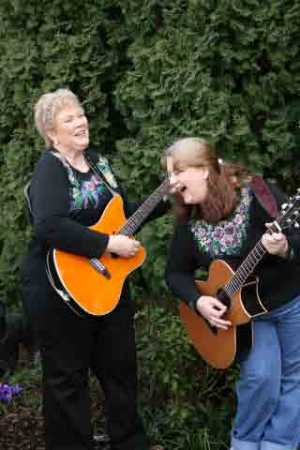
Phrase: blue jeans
[268,392]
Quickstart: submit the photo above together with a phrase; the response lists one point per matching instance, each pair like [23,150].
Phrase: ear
[51,135]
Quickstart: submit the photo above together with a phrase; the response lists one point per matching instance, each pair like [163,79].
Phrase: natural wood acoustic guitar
[239,292]
[95,285]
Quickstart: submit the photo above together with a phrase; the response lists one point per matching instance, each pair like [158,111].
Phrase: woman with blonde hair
[221,217]
[70,188]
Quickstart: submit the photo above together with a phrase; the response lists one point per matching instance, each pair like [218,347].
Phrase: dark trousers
[70,346]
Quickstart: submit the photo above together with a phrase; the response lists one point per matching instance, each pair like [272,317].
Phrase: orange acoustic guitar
[239,293]
[95,285]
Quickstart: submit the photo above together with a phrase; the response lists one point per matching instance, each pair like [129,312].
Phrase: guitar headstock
[290,212]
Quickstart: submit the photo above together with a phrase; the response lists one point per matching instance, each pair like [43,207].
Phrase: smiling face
[190,181]
[204,186]
[70,132]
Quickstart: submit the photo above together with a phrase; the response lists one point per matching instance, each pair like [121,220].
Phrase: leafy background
[147,73]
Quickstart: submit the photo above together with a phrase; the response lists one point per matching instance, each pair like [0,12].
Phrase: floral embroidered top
[88,190]
[196,244]
[228,236]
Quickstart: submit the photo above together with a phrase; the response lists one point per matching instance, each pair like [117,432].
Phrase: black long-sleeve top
[192,249]
[64,203]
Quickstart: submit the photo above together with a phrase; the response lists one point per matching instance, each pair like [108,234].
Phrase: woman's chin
[83,144]
[188,199]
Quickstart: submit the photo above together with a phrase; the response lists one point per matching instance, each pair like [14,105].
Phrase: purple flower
[218,233]
[7,392]
[229,230]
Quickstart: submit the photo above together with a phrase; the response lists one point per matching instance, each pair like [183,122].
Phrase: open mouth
[81,133]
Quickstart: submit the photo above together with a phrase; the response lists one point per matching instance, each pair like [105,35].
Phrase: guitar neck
[245,269]
[134,222]
[288,217]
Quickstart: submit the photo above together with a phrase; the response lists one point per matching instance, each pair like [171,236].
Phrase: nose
[81,120]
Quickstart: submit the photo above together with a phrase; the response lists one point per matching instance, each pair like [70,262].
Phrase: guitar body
[239,293]
[219,347]
[86,287]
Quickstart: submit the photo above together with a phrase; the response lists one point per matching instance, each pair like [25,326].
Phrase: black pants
[70,346]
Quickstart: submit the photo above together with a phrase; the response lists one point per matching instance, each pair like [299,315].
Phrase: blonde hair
[47,107]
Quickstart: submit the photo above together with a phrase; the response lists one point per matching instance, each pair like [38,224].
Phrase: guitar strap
[264,195]
[98,172]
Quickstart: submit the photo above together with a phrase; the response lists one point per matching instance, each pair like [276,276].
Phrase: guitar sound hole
[223,297]
[214,330]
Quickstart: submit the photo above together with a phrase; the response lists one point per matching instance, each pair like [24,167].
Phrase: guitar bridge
[100,268]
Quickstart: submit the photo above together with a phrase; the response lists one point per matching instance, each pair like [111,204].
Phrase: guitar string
[245,269]
[136,219]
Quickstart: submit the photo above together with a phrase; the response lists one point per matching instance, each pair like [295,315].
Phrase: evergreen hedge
[148,72]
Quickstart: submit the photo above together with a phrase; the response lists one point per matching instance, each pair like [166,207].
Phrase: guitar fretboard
[245,269]
[145,209]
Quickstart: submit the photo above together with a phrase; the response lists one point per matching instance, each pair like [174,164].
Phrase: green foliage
[217,69]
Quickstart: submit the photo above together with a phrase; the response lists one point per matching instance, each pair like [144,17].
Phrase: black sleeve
[292,234]
[181,266]
[49,196]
